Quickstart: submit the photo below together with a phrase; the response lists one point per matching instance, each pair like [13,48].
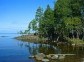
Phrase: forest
[65,20]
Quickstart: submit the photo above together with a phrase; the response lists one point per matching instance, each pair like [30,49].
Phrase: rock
[82,59]
[55,57]
[39,56]
[58,57]
[61,56]
[45,60]
[48,56]
[43,55]
[31,56]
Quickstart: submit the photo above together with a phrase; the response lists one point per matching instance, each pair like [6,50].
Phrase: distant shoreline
[4,36]
[9,33]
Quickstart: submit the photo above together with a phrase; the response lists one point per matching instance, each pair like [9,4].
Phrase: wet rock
[61,56]
[45,60]
[31,56]
[82,59]
[48,56]
[55,57]
[39,56]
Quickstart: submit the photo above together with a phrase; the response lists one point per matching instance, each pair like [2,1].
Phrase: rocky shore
[35,39]
[47,58]
[31,38]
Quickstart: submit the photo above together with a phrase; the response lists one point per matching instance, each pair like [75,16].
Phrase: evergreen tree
[49,22]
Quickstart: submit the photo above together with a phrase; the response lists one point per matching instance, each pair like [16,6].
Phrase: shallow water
[12,50]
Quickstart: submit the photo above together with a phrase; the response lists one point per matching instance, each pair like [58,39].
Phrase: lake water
[12,50]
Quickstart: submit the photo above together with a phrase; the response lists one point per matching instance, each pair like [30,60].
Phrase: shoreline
[31,38]
[36,39]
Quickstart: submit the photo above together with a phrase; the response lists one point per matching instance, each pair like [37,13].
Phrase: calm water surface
[12,50]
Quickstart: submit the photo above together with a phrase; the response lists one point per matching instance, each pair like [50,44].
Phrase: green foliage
[49,16]
[35,23]
[66,17]
[76,41]
[72,23]
[39,14]
[62,8]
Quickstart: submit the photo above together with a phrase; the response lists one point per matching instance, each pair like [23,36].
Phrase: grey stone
[45,60]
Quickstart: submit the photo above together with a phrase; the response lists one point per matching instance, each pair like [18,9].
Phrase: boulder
[39,56]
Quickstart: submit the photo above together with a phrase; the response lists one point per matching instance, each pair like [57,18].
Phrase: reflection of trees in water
[41,48]
[32,48]
[49,49]
[69,50]
[21,44]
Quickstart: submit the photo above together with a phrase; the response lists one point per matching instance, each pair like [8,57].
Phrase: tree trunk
[77,34]
[57,38]
[72,33]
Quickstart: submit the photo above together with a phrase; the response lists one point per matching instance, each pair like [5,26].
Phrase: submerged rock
[31,56]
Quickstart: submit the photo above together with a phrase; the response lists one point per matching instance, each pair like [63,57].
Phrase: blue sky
[16,14]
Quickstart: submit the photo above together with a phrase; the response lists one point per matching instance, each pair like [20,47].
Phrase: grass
[76,41]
